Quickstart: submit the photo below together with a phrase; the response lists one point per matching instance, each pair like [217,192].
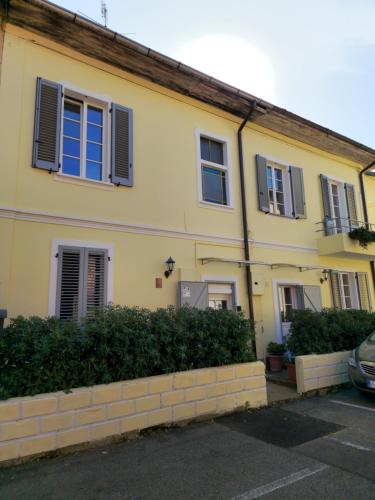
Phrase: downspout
[365,211]
[249,282]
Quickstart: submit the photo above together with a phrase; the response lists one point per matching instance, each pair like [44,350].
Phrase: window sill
[280,216]
[215,206]
[79,181]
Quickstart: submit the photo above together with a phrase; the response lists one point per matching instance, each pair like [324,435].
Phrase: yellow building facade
[144,172]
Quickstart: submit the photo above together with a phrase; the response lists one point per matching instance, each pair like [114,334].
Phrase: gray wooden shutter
[263,197]
[298,192]
[95,281]
[193,294]
[336,290]
[300,300]
[312,298]
[363,291]
[329,223]
[351,206]
[122,146]
[47,125]
[69,298]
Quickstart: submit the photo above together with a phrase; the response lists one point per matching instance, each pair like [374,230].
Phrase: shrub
[275,349]
[328,331]
[119,343]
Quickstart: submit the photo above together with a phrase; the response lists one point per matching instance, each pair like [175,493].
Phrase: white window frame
[287,192]
[224,280]
[353,290]
[342,204]
[226,167]
[56,243]
[86,99]
[276,283]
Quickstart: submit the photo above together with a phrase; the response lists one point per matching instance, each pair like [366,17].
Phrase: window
[83,152]
[280,188]
[214,172]
[349,291]
[81,281]
[220,296]
[339,206]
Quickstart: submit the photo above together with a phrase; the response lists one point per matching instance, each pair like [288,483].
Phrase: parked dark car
[361,366]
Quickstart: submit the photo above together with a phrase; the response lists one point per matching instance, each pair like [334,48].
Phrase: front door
[288,299]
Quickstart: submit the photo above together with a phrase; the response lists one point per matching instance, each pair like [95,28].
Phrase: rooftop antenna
[104,13]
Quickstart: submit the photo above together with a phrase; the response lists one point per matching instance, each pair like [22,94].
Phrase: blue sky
[315,58]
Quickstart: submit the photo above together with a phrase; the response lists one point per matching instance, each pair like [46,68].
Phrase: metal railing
[337,225]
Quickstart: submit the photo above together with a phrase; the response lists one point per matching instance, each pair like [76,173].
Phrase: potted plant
[291,367]
[363,235]
[275,355]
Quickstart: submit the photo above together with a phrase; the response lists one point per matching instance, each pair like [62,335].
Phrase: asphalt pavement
[321,447]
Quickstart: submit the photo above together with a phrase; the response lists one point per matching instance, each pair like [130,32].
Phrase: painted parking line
[281,483]
[352,405]
[348,443]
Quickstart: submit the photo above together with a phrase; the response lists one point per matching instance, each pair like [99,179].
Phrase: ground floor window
[350,290]
[220,296]
[81,281]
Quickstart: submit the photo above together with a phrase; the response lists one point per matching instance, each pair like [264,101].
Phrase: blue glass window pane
[72,111]
[71,147]
[212,151]
[71,166]
[94,133]
[94,152]
[94,115]
[205,149]
[72,129]
[214,186]
[94,170]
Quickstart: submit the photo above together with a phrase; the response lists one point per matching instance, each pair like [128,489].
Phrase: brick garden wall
[38,424]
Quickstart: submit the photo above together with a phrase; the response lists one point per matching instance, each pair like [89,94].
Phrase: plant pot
[276,363]
[291,372]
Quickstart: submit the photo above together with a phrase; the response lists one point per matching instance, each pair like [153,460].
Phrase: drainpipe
[249,282]
[365,211]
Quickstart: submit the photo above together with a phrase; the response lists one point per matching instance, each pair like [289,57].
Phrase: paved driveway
[322,447]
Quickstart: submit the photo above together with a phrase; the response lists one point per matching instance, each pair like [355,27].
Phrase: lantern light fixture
[170,267]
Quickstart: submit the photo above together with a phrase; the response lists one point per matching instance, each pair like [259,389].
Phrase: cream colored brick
[310,385]
[37,445]
[195,394]
[90,415]
[34,407]
[184,411]
[57,422]
[106,393]
[8,451]
[120,409]
[22,428]
[73,436]
[158,417]
[205,377]
[9,411]
[172,398]
[244,370]
[327,371]
[254,382]
[310,361]
[135,389]
[75,400]
[224,373]
[100,431]
[253,399]
[147,403]
[234,386]
[183,380]
[258,368]
[206,406]
[226,403]
[215,390]
[160,384]
[134,423]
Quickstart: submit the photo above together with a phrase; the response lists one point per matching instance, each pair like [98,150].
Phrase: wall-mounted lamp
[170,266]
[325,274]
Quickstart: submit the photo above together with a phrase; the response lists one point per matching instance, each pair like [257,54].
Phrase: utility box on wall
[193,294]
[258,282]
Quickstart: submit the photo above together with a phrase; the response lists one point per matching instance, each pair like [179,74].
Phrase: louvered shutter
[122,146]
[263,197]
[193,294]
[95,289]
[363,291]
[329,223]
[312,297]
[69,283]
[351,206]
[298,192]
[336,290]
[47,126]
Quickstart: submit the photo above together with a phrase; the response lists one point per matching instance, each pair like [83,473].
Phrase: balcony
[334,239]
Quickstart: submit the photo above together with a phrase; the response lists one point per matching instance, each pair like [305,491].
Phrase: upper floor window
[82,136]
[84,152]
[339,206]
[214,171]
[280,188]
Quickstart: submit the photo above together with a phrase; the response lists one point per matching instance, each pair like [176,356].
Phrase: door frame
[276,283]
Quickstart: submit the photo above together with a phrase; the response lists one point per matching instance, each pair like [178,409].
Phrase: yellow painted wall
[370,194]
[161,214]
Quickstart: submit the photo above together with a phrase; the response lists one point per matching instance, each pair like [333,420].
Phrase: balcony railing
[337,225]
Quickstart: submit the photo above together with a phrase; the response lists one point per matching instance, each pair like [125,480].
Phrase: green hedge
[120,343]
[328,331]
